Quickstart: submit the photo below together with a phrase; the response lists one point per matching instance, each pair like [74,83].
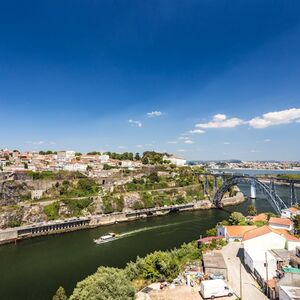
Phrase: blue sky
[202,79]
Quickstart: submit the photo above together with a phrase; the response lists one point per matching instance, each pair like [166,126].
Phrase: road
[250,289]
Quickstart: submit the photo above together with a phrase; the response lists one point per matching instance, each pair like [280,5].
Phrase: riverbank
[13,235]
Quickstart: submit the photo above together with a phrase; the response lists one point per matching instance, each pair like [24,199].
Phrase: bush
[77,205]
[51,210]
[105,284]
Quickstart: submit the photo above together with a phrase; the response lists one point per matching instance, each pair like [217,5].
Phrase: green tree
[252,210]
[106,284]
[211,232]
[60,294]
[236,218]
[137,156]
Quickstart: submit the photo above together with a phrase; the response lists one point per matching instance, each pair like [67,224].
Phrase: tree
[236,218]
[252,210]
[106,284]
[297,223]
[211,232]
[137,156]
[60,294]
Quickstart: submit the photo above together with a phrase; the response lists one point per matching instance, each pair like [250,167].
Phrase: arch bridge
[222,182]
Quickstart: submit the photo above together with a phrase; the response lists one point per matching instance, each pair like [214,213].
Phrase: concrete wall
[8,235]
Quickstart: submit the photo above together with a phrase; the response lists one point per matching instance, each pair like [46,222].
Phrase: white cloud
[275,118]
[183,138]
[121,147]
[172,142]
[135,123]
[226,143]
[188,142]
[196,131]
[181,150]
[148,145]
[154,114]
[221,121]
[139,146]
[36,142]
[254,151]
[267,140]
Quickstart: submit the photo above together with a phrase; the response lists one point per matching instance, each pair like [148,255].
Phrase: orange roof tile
[266,229]
[280,221]
[238,231]
[293,209]
[260,217]
[256,232]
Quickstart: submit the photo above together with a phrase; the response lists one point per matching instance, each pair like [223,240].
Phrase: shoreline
[15,234]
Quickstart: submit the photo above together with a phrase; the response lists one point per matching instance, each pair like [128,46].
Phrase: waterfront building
[233,233]
[281,223]
[290,212]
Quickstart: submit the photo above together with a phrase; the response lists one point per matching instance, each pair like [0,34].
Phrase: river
[34,268]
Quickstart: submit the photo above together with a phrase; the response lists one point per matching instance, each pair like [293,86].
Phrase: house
[75,167]
[104,158]
[178,161]
[267,238]
[281,223]
[259,218]
[233,232]
[263,238]
[214,264]
[290,212]
[289,292]
[256,260]
[290,281]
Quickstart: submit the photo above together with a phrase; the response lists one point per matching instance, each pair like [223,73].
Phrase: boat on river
[106,238]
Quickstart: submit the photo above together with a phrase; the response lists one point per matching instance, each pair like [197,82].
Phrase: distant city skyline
[201,79]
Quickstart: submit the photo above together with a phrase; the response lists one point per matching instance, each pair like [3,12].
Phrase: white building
[256,260]
[63,156]
[178,161]
[75,167]
[263,238]
[104,158]
[281,223]
[290,212]
[289,292]
[233,233]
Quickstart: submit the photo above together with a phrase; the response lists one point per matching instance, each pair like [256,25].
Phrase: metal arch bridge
[264,184]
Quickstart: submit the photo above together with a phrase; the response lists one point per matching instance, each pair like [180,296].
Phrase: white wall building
[75,167]
[289,292]
[290,212]
[178,161]
[256,260]
[263,238]
[104,158]
[281,223]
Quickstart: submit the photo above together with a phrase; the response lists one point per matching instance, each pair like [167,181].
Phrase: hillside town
[69,160]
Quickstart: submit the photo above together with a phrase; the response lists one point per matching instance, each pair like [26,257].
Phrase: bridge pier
[252,190]
[293,199]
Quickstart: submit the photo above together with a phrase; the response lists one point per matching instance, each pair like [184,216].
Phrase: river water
[33,269]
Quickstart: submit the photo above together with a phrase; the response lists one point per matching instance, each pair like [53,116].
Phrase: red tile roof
[209,239]
[265,230]
[237,230]
[280,221]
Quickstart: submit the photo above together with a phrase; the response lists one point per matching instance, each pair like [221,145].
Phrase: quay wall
[63,226]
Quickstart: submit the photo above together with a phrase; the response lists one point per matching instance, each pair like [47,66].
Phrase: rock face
[131,198]
[33,214]
[11,218]
[12,192]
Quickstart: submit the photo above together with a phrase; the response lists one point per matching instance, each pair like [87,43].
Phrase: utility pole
[241,283]
[267,275]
